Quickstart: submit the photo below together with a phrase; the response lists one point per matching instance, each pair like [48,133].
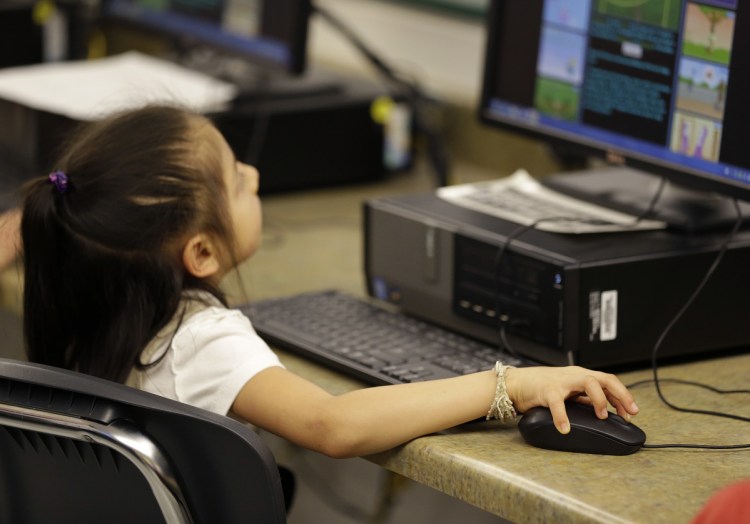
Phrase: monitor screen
[268,33]
[660,85]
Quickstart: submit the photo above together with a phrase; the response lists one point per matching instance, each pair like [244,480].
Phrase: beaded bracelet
[501,407]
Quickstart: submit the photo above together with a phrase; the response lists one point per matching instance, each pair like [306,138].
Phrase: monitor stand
[631,191]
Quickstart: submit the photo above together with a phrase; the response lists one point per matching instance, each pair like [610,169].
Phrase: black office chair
[74,448]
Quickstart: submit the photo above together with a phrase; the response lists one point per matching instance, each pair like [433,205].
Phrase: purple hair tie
[60,181]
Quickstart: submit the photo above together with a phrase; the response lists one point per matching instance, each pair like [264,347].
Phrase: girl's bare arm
[374,419]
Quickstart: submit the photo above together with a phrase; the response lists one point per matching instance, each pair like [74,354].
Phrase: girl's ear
[200,256]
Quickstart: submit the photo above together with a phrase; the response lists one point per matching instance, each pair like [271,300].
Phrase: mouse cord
[727,447]
[713,389]
[657,381]
[504,320]
[652,205]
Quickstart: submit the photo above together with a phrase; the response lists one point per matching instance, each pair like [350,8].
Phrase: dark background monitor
[270,35]
[660,87]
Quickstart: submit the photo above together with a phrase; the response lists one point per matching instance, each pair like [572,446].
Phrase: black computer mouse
[588,433]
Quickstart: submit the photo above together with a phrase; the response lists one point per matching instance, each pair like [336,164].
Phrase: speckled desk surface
[313,241]
[490,466]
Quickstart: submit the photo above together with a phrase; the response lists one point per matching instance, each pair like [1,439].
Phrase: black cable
[415,96]
[699,385]
[504,319]
[654,356]
[689,383]
[654,199]
[413,90]
[505,345]
[654,363]
[380,64]
[696,446]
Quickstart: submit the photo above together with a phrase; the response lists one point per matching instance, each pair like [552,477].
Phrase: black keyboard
[368,342]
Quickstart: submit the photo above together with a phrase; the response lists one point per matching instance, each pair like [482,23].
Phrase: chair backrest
[75,448]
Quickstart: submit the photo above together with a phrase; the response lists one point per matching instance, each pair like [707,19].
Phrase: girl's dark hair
[103,262]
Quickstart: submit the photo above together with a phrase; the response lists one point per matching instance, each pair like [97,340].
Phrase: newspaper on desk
[90,89]
[522,199]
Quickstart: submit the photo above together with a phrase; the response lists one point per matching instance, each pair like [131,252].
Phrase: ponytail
[44,284]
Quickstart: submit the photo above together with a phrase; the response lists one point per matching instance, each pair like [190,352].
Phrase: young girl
[124,246]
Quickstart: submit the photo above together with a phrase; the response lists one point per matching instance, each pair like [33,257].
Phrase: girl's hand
[551,386]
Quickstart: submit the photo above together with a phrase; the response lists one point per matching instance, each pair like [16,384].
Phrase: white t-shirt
[208,359]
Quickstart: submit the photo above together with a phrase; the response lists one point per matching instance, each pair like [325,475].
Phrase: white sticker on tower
[608,330]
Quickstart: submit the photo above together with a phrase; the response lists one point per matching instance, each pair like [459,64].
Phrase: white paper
[90,89]
[522,199]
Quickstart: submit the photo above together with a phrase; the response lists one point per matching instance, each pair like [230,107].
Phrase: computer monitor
[655,85]
[270,34]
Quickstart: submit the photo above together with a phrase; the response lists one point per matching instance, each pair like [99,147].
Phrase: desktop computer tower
[597,300]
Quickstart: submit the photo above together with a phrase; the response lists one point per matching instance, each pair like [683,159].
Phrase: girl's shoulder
[201,308]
